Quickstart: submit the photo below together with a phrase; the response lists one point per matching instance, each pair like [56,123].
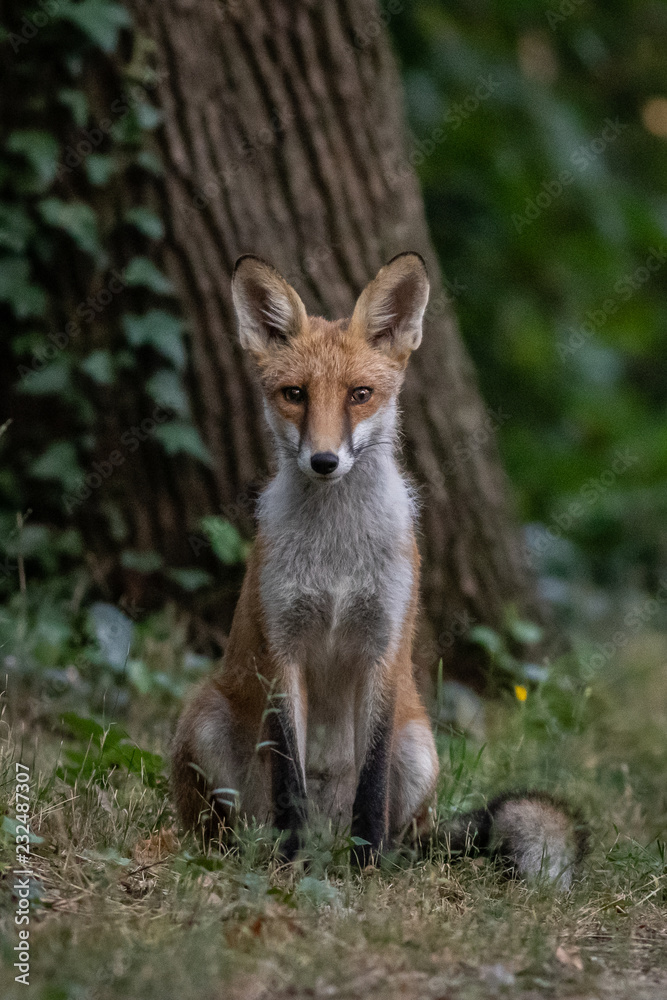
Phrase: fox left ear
[390,310]
[268,310]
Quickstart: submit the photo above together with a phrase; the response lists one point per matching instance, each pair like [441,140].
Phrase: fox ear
[390,309]
[268,310]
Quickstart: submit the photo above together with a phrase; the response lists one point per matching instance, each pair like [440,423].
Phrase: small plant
[105,750]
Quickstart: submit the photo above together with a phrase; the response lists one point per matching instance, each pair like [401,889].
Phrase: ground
[125,905]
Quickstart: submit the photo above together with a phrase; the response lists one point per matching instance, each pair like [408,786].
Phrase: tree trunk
[284,136]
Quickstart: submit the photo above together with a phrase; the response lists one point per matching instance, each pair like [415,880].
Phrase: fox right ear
[390,309]
[268,310]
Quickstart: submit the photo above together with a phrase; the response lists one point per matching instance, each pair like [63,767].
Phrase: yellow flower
[521,692]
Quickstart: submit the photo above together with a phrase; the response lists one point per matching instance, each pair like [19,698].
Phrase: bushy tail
[533,833]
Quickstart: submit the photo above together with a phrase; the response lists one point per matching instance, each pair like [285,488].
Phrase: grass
[124,905]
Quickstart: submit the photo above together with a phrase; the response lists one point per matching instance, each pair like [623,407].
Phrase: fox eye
[361,395]
[294,394]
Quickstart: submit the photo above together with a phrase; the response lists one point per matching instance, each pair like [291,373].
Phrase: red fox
[316,707]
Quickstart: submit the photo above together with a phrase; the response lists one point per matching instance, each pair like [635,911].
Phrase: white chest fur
[337,578]
[335,587]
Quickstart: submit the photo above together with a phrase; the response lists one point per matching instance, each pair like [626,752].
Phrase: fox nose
[324,462]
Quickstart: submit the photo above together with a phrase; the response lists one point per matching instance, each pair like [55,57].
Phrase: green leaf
[77,102]
[139,675]
[16,229]
[9,828]
[25,298]
[148,116]
[100,20]
[53,379]
[58,462]
[145,221]
[150,162]
[179,436]
[99,168]
[318,892]
[99,365]
[142,271]
[32,540]
[190,579]
[104,750]
[166,388]
[77,219]
[113,631]
[106,854]
[41,150]
[525,632]
[160,330]
[226,542]
[487,638]
[141,562]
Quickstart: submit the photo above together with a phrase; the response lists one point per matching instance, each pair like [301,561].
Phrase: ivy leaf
[141,562]
[100,20]
[147,116]
[16,228]
[53,379]
[41,151]
[58,462]
[225,539]
[179,436]
[99,168]
[77,102]
[166,388]
[150,162]
[75,218]
[33,540]
[486,637]
[145,221]
[160,330]
[527,633]
[18,291]
[99,366]
[142,271]
[190,579]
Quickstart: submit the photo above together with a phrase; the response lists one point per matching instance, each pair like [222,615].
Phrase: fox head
[330,388]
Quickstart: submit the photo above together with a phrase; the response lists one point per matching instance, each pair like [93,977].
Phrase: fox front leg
[370,812]
[288,791]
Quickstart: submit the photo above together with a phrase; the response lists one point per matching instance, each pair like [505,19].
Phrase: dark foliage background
[539,135]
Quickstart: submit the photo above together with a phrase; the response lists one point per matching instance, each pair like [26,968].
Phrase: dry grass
[125,907]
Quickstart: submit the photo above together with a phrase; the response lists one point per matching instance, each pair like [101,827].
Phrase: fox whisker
[373,444]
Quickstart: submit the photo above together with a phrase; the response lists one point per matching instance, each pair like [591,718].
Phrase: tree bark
[284,136]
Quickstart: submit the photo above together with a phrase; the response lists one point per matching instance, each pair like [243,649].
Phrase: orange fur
[224,731]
